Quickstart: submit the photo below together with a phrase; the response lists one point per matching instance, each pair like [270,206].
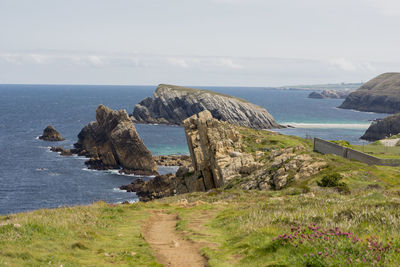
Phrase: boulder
[51,134]
[112,143]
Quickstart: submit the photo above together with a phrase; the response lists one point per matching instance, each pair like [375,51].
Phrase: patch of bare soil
[170,248]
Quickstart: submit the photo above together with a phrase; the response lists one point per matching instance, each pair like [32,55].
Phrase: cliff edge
[173,104]
[381,94]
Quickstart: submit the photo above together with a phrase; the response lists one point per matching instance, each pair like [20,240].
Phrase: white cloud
[227,62]
[178,62]
[344,64]
[352,66]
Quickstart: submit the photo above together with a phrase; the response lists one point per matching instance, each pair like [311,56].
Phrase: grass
[236,227]
[380,151]
[200,91]
[95,235]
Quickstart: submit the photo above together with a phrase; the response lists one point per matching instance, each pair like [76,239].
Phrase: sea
[32,177]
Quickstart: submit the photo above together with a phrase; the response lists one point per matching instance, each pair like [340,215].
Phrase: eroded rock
[112,143]
[51,134]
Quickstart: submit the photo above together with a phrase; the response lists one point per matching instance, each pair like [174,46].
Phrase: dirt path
[169,246]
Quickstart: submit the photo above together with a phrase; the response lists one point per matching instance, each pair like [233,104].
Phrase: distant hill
[320,87]
[381,94]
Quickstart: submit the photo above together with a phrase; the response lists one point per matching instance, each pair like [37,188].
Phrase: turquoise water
[31,177]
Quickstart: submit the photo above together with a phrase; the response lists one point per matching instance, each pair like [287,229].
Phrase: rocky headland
[334,94]
[381,94]
[383,128]
[111,142]
[219,156]
[51,134]
[173,104]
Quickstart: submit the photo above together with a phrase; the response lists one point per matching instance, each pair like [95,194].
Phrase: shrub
[341,142]
[333,180]
[330,180]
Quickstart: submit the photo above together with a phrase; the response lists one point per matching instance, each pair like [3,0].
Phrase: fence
[326,147]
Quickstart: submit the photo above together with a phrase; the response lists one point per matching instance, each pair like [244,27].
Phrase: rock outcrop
[173,104]
[381,94]
[51,134]
[173,160]
[218,160]
[112,142]
[383,128]
[285,166]
[215,151]
[334,94]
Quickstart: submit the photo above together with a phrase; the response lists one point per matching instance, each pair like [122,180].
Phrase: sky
[198,42]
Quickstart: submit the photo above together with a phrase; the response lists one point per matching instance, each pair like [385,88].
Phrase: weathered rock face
[286,165]
[381,94]
[216,156]
[383,128]
[215,149]
[51,134]
[112,142]
[173,104]
[334,94]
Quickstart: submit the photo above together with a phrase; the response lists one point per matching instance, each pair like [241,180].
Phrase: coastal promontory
[173,104]
[333,94]
[383,128]
[381,94]
[112,142]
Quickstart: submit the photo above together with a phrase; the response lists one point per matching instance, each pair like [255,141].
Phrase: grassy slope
[237,227]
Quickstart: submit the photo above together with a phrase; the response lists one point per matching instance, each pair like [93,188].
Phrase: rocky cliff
[383,128]
[112,142]
[381,94]
[173,104]
[334,94]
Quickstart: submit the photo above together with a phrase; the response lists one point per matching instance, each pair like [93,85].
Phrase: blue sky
[208,42]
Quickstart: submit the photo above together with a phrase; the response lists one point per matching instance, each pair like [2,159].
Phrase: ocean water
[32,177]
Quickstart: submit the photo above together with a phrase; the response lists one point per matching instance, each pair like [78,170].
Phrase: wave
[329,125]
[131,201]
[116,189]
[116,172]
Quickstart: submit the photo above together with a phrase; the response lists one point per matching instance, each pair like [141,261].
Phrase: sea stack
[381,94]
[112,142]
[173,104]
[51,134]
